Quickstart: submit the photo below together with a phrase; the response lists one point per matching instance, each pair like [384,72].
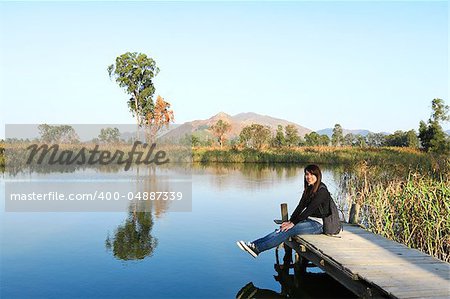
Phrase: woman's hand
[285,226]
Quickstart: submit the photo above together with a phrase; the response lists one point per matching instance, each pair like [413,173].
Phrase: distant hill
[238,122]
[329,132]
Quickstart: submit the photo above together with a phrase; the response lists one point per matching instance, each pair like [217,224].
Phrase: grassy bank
[395,157]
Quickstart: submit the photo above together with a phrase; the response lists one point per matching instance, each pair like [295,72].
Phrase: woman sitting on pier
[307,218]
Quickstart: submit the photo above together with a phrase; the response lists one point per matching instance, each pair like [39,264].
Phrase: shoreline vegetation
[403,158]
[408,159]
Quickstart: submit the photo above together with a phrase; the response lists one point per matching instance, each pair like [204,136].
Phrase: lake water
[160,253]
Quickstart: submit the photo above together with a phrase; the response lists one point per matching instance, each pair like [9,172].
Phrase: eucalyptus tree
[134,72]
[291,135]
[324,140]
[312,139]
[279,139]
[337,139]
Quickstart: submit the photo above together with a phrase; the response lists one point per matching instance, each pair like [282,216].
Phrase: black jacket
[312,205]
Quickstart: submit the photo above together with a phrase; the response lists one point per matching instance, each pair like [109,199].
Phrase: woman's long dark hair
[315,170]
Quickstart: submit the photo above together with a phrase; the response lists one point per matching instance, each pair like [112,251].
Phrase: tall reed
[414,211]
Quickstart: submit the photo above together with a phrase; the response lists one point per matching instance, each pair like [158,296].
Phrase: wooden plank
[406,269]
[350,264]
[381,256]
[406,281]
[375,254]
[393,259]
[412,296]
[418,293]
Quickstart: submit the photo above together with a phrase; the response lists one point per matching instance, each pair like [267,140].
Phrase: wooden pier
[370,265]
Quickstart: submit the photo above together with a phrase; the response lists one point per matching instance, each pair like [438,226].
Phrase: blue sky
[365,65]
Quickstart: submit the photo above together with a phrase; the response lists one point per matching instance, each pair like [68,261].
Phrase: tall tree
[397,139]
[134,72]
[361,140]
[279,139]
[255,136]
[324,140]
[312,139]
[375,139]
[411,139]
[58,134]
[261,135]
[431,135]
[349,139]
[292,137]
[337,139]
[109,135]
[219,129]
[245,136]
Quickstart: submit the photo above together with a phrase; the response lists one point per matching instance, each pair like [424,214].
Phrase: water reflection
[133,240]
[248,176]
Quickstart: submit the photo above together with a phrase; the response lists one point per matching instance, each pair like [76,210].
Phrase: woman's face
[310,178]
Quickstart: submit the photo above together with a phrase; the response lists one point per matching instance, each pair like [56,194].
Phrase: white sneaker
[249,247]
[238,243]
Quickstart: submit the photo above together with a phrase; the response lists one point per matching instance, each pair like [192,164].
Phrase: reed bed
[414,211]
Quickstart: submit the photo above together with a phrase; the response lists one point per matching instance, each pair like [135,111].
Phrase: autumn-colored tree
[219,129]
[158,118]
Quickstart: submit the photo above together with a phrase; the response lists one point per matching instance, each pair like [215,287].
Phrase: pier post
[354,214]
[284,212]
[287,259]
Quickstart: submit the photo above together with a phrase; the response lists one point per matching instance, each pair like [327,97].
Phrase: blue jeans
[306,227]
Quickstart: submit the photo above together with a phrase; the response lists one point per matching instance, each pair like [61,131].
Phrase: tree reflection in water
[133,239]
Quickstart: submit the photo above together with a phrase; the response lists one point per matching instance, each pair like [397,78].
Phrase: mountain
[329,132]
[238,122]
